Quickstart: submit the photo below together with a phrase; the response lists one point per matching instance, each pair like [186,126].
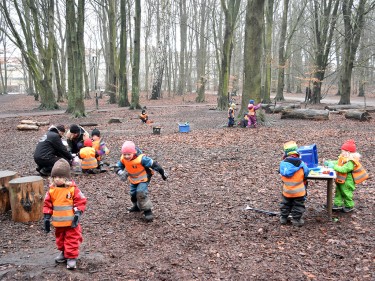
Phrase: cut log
[26,198]
[358,115]
[42,123]
[88,124]
[338,107]
[271,108]
[26,127]
[29,122]
[305,114]
[114,120]
[5,177]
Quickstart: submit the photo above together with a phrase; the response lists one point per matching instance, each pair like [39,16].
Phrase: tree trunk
[358,115]
[231,10]
[136,56]
[253,51]
[123,82]
[26,198]
[112,79]
[183,35]
[5,177]
[268,51]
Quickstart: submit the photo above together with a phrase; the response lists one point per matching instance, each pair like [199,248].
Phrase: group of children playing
[64,202]
[249,119]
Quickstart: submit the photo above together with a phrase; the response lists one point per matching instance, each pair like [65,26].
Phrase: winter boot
[44,172]
[283,220]
[148,215]
[60,258]
[71,264]
[135,207]
[347,209]
[298,222]
[336,208]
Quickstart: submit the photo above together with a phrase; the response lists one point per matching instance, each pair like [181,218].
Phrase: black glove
[47,223]
[155,166]
[77,216]
[123,174]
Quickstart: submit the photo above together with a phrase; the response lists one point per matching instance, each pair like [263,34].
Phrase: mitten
[326,163]
[77,216]
[330,165]
[47,223]
[123,174]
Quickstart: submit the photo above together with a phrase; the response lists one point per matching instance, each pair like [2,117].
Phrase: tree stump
[5,177]
[26,127]
[305,114]
[26,198]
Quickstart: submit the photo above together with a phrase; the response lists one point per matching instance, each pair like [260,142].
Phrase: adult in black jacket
[50,149]
[75,137]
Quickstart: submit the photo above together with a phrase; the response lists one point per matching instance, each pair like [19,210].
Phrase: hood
[288,169]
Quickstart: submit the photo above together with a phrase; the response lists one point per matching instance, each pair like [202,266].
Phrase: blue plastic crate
[183,128]
[309,155]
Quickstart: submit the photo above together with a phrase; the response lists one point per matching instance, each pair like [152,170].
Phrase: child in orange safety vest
[349,172]
[89,156]
[64,203]
[293,173]
[138,169]
[100,146]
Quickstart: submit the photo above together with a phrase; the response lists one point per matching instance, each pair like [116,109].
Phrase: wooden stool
[26,198]
[5,177]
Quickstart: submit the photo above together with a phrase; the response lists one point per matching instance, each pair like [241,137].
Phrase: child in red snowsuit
[64,203]
[252,114]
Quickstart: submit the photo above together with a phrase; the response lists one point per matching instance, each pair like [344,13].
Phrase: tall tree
[268,50]
[123,82]
[136,56]
[39,61]
[354,18]
[183,35]
[324,20]
[111,86]
[252,52]
[231,9]
[75,51]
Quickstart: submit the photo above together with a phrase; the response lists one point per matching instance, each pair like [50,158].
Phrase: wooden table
[330,179]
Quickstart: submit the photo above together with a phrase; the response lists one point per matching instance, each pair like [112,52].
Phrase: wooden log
[89,124]
[271,108]
[305,114]
[337,107]
[357,115]
[26,198]
[114,120]
[26,127]
[5,177]
[42,123]
[29,122]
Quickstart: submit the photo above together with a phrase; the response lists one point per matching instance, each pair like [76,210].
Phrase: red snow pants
[68,240]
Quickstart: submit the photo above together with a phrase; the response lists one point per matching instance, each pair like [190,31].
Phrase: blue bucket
[183,128]
[309,155]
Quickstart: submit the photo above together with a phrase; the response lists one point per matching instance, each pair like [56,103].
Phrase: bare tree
[253,51]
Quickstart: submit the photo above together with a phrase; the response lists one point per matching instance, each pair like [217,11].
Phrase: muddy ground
[200,230]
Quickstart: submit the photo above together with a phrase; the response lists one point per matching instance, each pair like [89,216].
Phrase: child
[349,171]
[136,167]
[252,114]
[99,145]
[293,174]
[231,115]
[144,116]
[89,158]
[244,121]
[65,203]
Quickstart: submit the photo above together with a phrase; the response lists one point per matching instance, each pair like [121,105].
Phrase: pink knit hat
[128,147]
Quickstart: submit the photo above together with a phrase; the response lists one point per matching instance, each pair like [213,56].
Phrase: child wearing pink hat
[349,172]
[138,169]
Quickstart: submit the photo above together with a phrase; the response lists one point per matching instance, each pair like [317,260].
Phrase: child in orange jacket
[64,203]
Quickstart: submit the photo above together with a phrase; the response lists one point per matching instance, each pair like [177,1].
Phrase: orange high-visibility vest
[252,111]
[62,200]
[294,186]
[359,173]
[88,158]
[137,173]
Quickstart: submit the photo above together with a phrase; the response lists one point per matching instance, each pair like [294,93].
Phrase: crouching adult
[50,149]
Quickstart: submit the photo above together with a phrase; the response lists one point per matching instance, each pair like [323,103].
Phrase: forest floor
[200,230]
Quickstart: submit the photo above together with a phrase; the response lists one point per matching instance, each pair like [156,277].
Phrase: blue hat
[251,101]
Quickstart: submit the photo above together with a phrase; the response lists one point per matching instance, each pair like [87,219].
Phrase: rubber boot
[135,207]
[148,215]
